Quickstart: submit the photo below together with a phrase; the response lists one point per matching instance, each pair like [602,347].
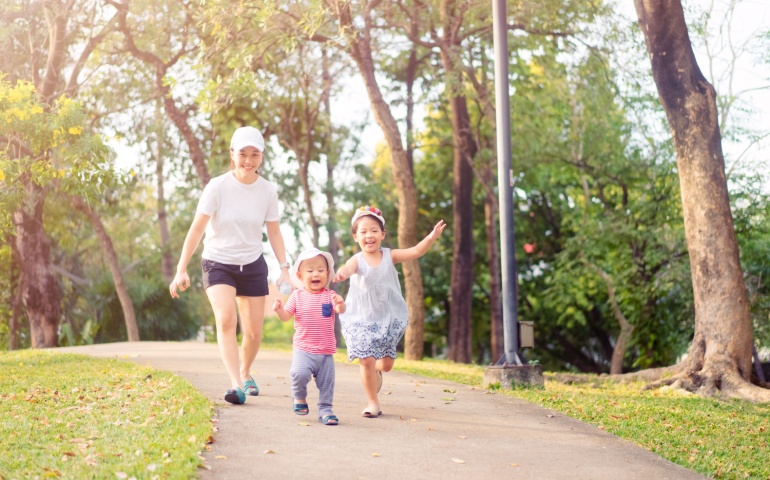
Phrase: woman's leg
[222,299]
[369,380]
[252,310]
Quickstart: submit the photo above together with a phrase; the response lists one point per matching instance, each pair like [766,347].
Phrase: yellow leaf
[269,451]
[375,454]
[191,439]
[514,464]
[304,424]
[75,130]
[457,460]
[2,175]
[220,457]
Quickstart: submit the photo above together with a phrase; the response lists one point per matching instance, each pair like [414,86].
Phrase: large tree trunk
[112,260]
[460,325]
[719,360]
[360,50]
[462,229]
[40,292]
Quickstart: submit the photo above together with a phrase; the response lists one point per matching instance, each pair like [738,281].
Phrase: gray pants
[305,365]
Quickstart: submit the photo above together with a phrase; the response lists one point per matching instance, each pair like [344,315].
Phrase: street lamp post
[511,370]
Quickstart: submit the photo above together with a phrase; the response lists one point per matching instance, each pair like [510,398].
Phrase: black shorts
[248,280]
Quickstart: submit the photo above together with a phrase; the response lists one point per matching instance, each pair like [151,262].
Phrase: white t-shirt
[238,212]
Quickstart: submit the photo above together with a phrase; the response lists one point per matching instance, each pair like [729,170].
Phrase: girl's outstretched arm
[404,254]
[345,272]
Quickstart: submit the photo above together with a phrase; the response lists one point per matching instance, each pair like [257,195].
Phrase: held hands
[338,303]
[277,305]
[181,281]
[340,275]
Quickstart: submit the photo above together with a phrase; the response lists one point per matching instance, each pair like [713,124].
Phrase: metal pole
[505,187]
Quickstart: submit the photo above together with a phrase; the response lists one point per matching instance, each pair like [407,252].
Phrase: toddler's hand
[338,302]
[277,305]
[437,230]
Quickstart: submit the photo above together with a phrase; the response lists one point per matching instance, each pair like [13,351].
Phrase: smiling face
[314,273]
[369,234]
[247,160]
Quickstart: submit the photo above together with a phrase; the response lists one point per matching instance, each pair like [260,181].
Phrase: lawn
[72,416]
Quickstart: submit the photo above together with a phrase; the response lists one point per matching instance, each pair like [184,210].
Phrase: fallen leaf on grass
[457,460]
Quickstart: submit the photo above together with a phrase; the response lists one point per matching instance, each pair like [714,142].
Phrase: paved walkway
[429,429]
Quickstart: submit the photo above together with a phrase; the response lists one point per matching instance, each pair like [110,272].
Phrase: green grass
[72,416]
[715,438]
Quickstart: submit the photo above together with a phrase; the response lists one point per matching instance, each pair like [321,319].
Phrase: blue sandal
[330,420]
[235,396]
[250,387]
[301,408]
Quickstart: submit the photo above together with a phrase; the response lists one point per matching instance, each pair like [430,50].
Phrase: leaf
[514,464]
[269,451]
[304,424]
[457,460]
[222,457]
[375,454]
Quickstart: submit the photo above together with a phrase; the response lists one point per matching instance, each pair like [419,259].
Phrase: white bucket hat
[247,137]
[307,255]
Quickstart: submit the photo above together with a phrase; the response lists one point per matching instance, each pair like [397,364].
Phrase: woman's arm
[182,279]
[275,238]
[405,254]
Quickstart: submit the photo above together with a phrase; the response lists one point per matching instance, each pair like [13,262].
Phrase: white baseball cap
[247,137]
[307,255]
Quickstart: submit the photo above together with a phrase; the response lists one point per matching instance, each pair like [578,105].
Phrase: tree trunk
[40,292]
[112,260]
[15,296]
[360,51]
[460,327]
[166,260]
[491,219]
[719,359]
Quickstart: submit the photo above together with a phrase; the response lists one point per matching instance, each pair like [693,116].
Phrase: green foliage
[71,416]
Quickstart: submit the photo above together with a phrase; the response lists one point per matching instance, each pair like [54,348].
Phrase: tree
[719,359]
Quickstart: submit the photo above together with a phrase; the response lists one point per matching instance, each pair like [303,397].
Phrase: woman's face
[247,160]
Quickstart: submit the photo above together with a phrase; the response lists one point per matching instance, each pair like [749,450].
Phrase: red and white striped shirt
[313,333]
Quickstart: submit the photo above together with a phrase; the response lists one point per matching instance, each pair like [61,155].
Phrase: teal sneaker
[250,387]
[235,396]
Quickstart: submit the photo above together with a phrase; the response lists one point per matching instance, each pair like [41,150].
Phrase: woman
[232,211]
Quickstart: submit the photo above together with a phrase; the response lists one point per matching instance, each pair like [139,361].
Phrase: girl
[376,315]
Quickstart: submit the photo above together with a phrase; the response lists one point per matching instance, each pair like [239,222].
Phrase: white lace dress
[376,316]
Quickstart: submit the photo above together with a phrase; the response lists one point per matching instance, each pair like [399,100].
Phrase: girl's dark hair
[354,227]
